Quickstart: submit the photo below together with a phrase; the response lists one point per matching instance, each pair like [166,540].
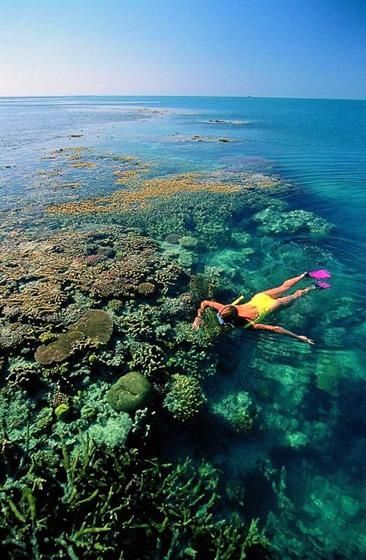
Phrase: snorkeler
[249,315]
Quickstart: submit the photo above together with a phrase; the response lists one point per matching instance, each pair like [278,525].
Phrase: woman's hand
[197,323]
[306,339]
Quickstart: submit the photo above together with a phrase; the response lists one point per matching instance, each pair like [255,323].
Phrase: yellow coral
[142,195]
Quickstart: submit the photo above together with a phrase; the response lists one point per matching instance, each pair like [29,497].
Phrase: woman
[251,313]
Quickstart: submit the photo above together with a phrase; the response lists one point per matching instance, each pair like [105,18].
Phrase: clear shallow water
[304,469]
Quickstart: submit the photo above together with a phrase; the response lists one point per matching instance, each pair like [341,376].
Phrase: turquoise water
[302,471]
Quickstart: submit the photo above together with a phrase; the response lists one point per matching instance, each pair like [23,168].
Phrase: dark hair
[229,313]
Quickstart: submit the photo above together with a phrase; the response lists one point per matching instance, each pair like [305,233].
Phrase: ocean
[296,461]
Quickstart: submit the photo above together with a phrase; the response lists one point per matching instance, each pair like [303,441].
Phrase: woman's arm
[281,330]
[204,304]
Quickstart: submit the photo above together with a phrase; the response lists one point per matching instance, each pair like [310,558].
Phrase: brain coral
[130,392]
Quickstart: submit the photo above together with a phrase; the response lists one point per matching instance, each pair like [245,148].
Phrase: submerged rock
[131,392]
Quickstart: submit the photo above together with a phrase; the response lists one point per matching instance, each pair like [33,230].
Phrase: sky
[269,48]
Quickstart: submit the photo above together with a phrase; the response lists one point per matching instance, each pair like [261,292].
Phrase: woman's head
[228,313]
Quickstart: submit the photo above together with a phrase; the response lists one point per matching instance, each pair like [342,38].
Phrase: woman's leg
[287,284]
[281,302]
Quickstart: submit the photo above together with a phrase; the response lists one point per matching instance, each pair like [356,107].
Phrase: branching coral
[147,358]
[103,501]
[184,397]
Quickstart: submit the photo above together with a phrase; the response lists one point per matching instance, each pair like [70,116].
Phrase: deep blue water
[318,148]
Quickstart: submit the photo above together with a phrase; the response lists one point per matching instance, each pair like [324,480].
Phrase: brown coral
[93,328]
[146,289]
[61,349]
[96,325]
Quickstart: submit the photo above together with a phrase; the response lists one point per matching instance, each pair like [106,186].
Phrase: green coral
[96,420]
[184,398]
[274,222]
[131,392]
[188,242]
[237,411]
[16,415]
[111,432]
[103,501]
[44,419]
[62,410]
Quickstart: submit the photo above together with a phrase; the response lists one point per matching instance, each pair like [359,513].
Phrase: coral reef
[102,289]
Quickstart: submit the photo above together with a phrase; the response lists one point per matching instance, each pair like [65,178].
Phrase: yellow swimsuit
[263,303]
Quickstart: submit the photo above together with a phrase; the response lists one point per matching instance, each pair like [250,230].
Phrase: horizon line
[54,96]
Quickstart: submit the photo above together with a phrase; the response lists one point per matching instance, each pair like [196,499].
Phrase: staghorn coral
[131,392]
[42,276]
[195,361]
[37,300]
[103,501]
[138,322]
[184,397]
[170,278]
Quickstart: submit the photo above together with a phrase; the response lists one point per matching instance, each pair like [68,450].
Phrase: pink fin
[320,274]
[322,285]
